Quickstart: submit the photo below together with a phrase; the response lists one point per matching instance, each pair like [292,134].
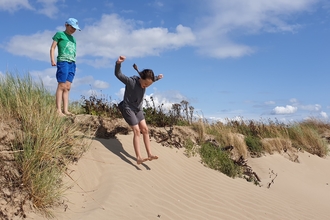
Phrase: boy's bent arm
[52,50]
[124,79]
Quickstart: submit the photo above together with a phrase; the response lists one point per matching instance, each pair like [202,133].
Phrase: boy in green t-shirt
[66,63]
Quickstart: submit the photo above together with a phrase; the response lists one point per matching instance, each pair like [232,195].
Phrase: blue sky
[256,59]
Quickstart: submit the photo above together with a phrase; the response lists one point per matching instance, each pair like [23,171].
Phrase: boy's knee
[136,131]
[61,86]
[67,86]
[144,130]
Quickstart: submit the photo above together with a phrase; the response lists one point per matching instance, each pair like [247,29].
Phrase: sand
[109,185]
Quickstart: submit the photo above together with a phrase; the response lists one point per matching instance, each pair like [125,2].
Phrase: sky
[247,59]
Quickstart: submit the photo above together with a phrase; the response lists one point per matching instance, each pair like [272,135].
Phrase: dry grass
[271,145]
[255,138]
[42,147]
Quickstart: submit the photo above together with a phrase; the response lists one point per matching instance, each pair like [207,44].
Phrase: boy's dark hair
[146,73]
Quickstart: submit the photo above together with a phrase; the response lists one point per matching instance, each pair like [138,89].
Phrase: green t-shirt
[66,45]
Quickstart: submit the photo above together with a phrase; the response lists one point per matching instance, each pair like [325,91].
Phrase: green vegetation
[44,143]
[220,160]
[190,148]
[254,145]
[97,106]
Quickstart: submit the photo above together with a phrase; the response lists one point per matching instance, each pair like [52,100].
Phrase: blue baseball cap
[74,23]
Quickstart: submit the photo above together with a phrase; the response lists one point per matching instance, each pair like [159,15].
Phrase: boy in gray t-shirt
[131,106]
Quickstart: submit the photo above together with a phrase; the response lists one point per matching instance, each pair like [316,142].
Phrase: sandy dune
[109,185]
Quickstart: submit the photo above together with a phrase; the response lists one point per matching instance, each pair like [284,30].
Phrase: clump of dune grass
[45,143]
[219,160]
[306,136]
[190,148]
[200,127]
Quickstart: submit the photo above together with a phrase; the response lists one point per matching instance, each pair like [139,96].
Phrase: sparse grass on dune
[45,143]
[307,135]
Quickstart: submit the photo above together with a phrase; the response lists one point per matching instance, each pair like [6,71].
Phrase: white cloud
[45,7]
[117,36]
[315,107]
[18,46]
[280,110]
[48,78]
[324,115]
[112,36]
[226,18]
[120,93]
[157,4]
[100,84]
[93,93]
[270,103]
[86,80]
[159,101]
[294,101]
[212,35]
[97,62]
[164,99]
[48,8]
[14,5]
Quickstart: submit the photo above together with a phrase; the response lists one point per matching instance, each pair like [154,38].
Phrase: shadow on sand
[115,146]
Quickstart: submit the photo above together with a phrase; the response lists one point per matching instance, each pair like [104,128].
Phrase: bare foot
[68,113]
[139,161]
[60,114]
[152,157]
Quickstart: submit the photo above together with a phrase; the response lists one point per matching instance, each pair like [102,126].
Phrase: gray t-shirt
[134,93]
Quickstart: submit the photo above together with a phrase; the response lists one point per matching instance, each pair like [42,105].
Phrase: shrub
[219,160]
[95,105]
[254,145]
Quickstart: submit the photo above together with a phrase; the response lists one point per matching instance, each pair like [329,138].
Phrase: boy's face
[69,29]
[145,83]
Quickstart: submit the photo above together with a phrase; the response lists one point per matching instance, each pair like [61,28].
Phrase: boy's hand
[121,59]
[160,76]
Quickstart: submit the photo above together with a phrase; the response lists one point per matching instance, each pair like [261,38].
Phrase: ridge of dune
[109,185]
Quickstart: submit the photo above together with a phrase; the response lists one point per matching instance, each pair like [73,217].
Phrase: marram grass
[45,142]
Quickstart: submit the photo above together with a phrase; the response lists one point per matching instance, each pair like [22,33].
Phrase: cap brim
[77,28]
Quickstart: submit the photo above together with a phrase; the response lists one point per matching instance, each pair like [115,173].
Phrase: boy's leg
[61,76]
[136,144]
[131,119]
[58,96]
[145,132]
[66,98]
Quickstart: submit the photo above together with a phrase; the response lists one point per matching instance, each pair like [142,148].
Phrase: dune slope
[109,185]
